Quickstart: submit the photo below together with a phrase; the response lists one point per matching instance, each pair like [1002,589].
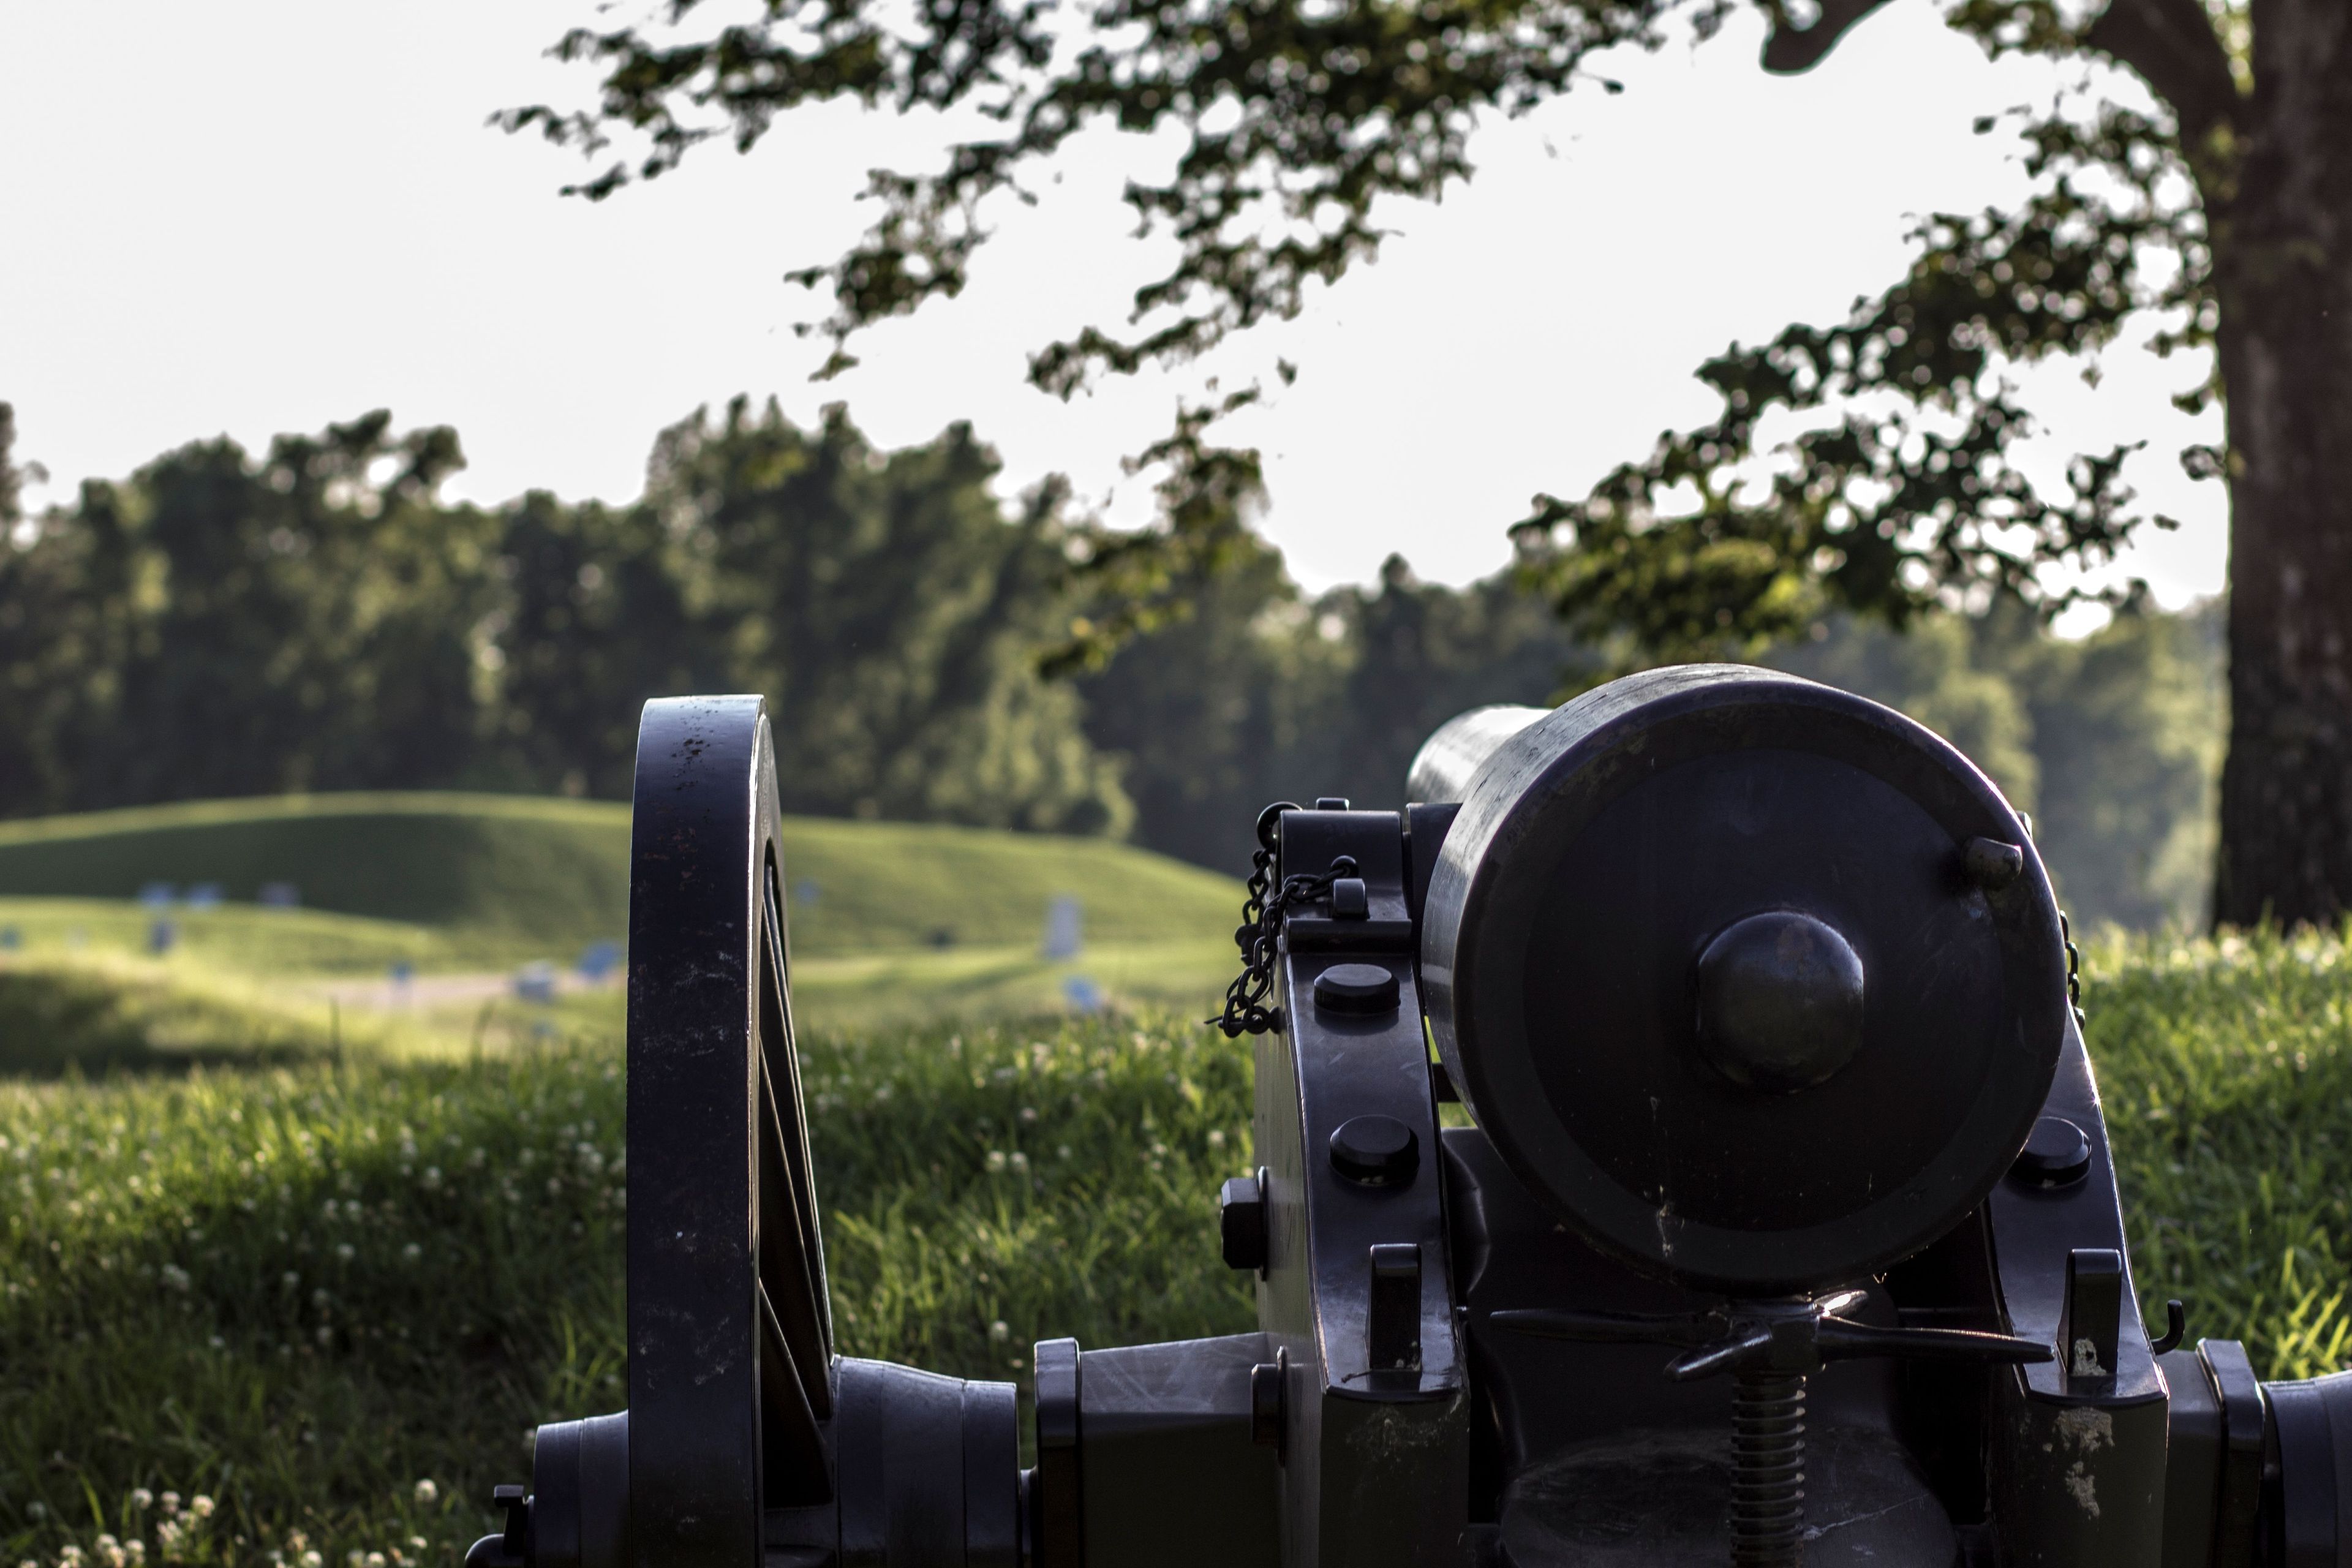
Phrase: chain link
[2073,971]
[1258,935]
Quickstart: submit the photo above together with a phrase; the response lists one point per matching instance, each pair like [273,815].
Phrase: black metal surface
[2092,1317]
[1057,1499]
[2217,1432]
[1367,988]
[1374,1460]
[1599,1459]
[1770,1347]
[1375,1151]
[1172,1475]
[580,1494]
[1241,1223]
[2056,1154]
[1780,1002]
[1441,772]
[1599,851]
[729,1340]
[2311,1427]
[2079,1473]
[2245,1433]
[1392,1309]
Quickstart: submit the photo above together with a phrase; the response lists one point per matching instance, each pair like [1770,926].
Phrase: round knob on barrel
[1779,1000]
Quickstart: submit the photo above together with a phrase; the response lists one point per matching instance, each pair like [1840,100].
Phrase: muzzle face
[1759,984]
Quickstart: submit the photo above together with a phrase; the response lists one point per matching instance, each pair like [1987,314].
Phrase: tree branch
[2171,44]
[1793,49]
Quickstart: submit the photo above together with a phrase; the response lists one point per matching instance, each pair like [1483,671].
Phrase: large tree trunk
[2283,259]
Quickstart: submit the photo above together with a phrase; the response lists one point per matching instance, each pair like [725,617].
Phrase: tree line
[319,616]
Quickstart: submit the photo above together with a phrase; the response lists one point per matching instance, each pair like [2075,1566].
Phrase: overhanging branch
[1791,49]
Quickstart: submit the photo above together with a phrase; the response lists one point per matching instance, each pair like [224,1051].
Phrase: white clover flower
[201,1506]
[290,1280]
[1216,1136]
[1020,1161]
[375,1560]
[346,1251]
[36,1509]
[996,1159]
[312,1560]
[432,1175]
[357,1559]
[1028,1113]
[326,1335]
[417,1544]
[411,1253]
[998,1333]
[320,1298]
[142,1498]
[135,1549]
[426,1492]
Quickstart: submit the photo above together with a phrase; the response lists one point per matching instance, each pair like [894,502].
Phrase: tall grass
[332,1301]
[2226,1068]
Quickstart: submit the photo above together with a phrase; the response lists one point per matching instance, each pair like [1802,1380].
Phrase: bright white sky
[266,216]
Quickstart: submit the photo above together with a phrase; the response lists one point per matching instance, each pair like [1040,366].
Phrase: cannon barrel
[1785,1229]
[1441,770]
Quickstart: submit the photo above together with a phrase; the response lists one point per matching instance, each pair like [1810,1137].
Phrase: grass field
[891,922]
[471,881]
[297,1291]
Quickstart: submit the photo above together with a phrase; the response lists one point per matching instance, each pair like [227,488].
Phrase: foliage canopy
[1898,492]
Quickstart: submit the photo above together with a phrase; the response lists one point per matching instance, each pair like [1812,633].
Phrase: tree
[594,620]
[888,607]
[318,618]
[2221,202]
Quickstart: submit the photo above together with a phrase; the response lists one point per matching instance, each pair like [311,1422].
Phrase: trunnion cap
[1712,957]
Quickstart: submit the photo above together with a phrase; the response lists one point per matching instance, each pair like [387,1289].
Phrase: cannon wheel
[730,1332]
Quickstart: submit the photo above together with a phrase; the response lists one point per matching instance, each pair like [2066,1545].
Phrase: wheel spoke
[791,1247]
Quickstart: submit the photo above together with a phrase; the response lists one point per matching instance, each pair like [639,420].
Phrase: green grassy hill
[891,922]
[495,875]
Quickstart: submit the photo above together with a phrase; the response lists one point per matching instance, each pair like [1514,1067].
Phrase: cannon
[1675,1145]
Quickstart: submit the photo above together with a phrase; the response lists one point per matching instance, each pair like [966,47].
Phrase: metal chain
[2073,971]
[1245,1011]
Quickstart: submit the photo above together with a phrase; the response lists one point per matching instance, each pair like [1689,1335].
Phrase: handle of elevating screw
[1779,1341]
[1833,1338]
